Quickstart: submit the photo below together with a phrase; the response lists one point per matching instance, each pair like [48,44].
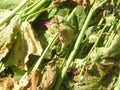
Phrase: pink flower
[47,24]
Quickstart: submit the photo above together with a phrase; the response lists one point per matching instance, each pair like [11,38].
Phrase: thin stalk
[78,42]
[38,63]
[71,14]
[36,13]
[68,52]
[100,23]
[112,34]
[118,25]
[96,43]
[111,28]
[28,8]
[39,5]
[13,12]
[111,37]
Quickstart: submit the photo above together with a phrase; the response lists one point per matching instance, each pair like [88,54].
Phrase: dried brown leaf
[35,78]
[7,36]
[82,2]
[25,44]
[34,46]
[79,2]
[6,83]
[51,75]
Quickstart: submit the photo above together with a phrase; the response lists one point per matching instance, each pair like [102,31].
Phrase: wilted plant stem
[13,12]
[77,44]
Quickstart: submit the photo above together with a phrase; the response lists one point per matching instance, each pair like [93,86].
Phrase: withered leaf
[34,46]
[25,44]
[6,83]
[35,78]
[82,2]
[51,75]
[79,2]
[7,36]
[66,32]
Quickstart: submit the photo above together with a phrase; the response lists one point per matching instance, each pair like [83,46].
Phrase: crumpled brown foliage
[33,44]
[35,78]
[51,75]
[80,2]
[26,43]
[6,83]
[7,36]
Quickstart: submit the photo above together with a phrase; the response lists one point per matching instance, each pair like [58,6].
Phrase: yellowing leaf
[7,36]
[34,46]
[25,44]
[6,83]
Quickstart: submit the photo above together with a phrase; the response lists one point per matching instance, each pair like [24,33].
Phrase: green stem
[118,25]
[36,13]
[28,8]
[39,5]
[100,23]
[71,14]
[96,43]
[77,44]
[68,52]
[13,12]
[111,37]
[38,63]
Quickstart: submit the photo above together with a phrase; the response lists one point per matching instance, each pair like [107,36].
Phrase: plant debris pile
[60,45]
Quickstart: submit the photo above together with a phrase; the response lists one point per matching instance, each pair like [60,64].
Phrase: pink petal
[47,24]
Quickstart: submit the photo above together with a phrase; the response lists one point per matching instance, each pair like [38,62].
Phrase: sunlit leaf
[25,44]
[7,36]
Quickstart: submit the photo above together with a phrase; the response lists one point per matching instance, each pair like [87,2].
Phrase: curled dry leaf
[82,2]
[79,2]
[59,1]
[25,44]
[66,32]
[51,75]
[35,78]
[33,44]
[7,36]
[6,83]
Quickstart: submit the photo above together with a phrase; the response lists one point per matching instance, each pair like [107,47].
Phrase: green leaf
[17,73]
[77,17]
[114,50]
